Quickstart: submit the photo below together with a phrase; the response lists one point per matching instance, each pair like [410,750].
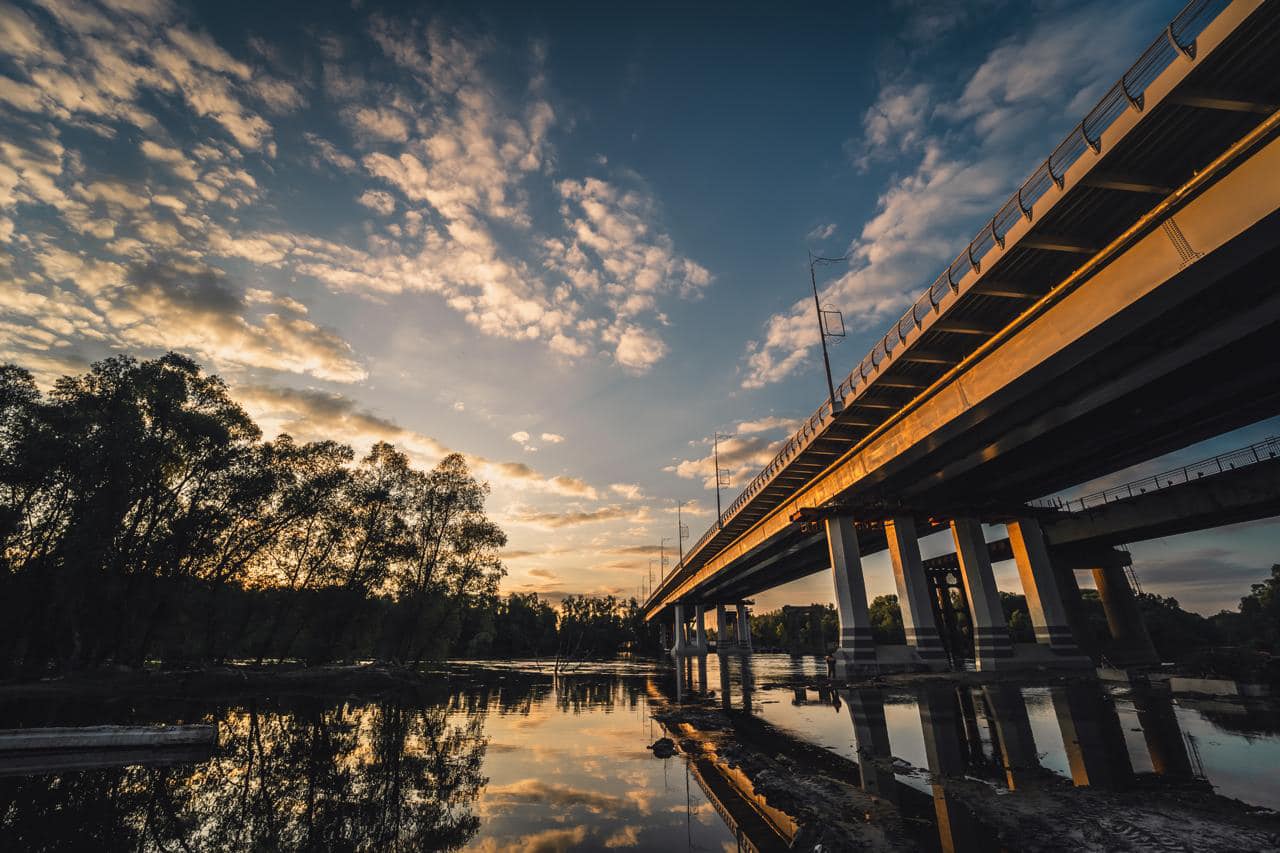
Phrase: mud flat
[834,804]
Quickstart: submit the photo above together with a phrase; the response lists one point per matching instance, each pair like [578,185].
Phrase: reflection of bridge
[1118,307]
[970,733]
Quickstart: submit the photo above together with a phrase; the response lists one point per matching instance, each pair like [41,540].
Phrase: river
[510,757]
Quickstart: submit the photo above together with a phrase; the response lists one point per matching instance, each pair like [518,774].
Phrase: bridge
[1118,307]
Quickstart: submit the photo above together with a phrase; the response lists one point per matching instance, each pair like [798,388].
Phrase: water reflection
[512,759]
[965,742]
[299,776]
[485,760]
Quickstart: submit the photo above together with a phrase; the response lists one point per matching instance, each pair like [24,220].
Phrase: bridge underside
[1132,313]
[1177,368]
[1247,494]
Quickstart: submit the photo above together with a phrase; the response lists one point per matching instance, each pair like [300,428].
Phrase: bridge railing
[1178,41]
[1266,449]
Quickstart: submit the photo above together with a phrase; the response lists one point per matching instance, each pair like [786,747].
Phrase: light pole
[824,326]
[722,474]
[682,531]
[662,557]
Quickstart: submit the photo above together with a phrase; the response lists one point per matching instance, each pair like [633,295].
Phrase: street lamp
[722,474]
[826,322]
[682,531]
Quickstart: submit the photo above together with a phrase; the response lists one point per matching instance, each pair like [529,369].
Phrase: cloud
[379,202]
[520,437]
[821,232]
[173,158]
[380,124]
[895,123]
[328,153]
[312,414]
[1205,580]
[552,438]
[968,151]
[767,424]
[741,456]
[574,518]
[630,491]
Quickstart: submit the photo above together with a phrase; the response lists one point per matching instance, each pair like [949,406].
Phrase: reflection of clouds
[547,841]
[628,836]
[504,747]
[563,796]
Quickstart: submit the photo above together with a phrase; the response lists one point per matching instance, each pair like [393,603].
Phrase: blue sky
[566,239]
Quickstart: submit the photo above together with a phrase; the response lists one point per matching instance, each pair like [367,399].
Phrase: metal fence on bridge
[1266,449]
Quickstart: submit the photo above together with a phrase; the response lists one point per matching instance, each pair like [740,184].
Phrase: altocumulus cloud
[460,193]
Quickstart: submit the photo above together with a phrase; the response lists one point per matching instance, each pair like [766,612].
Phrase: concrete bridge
[1119,306]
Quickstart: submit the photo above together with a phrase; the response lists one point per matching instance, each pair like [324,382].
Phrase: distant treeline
[143,517]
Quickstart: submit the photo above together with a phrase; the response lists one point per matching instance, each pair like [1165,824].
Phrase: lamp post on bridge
[682,532]
[826,320]
[722,474]
[662,557]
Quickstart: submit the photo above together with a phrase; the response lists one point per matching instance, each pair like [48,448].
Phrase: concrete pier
[991,642]
[1044,598]
[856,653]
[1130,643]
[913,593]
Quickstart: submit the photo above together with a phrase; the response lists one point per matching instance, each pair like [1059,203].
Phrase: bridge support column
[1039,584]
[913,592]
[991,640]
[856,652]
[1130,643]
[679,647]
[722,633]
[700,626]
[744,627]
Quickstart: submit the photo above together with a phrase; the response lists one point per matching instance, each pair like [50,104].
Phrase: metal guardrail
[1177,41]
[1266,449]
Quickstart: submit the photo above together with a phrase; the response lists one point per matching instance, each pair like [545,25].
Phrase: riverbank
[226,681]
[839,804]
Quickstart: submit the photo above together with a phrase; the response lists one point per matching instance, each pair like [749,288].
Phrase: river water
[509,757]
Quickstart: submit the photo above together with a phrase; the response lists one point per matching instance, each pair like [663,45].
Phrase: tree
[886,620]
[1260,613]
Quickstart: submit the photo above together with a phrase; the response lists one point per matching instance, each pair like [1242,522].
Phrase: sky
[565,239]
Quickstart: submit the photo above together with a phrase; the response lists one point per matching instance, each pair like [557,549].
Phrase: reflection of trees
[388,776]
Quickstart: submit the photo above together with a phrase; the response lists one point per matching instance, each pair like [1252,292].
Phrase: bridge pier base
[991,641]
[1043,593]
[744,627]
[913,594]
[856,654]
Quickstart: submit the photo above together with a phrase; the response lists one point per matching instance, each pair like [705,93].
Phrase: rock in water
[663,747]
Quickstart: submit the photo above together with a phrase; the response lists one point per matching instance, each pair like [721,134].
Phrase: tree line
[143,517]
